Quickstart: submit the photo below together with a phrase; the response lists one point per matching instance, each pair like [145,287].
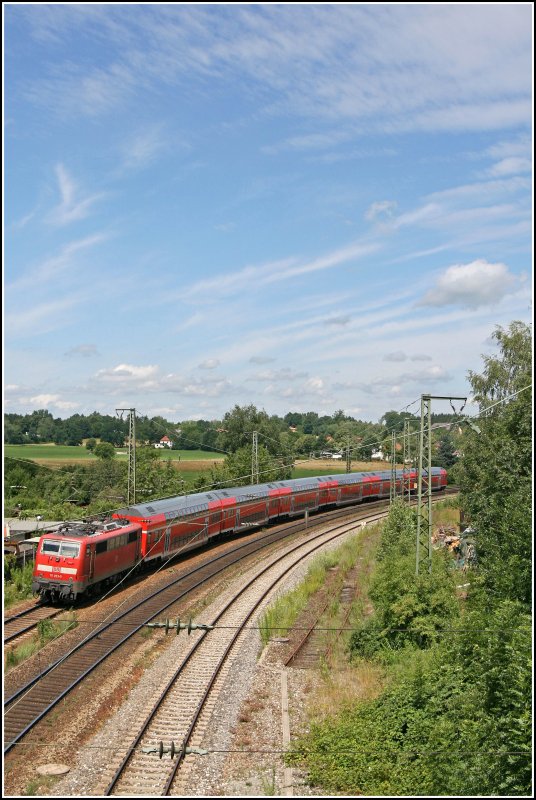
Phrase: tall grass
[279,618]
[17,581]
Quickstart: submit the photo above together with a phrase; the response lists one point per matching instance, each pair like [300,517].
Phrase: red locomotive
[81,558]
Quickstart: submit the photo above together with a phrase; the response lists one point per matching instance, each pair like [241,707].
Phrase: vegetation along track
[182,711]
[19,624]
[33,701]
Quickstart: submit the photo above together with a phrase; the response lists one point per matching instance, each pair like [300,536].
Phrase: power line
[428,632]
[295,751]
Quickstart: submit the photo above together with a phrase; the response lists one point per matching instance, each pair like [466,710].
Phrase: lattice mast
[131,485]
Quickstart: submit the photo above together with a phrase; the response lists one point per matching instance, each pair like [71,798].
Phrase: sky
[305,207]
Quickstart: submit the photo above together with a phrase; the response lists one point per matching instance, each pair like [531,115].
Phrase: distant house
[378,456]
[165,441]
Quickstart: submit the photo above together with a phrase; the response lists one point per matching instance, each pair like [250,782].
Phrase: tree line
[297,435]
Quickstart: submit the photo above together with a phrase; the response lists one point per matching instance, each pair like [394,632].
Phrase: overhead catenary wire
[427,632]
[272,469]
[287,466]
[294,750]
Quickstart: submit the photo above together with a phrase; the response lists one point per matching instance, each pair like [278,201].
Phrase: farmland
[190,461]
[54,455]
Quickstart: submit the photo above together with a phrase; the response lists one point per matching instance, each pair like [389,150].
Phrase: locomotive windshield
[58,547]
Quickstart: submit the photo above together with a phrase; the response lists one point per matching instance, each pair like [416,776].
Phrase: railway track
[312,647]
[33,701]
[24,622]
[181,713]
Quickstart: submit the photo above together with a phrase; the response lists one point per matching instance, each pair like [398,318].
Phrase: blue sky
[304,207]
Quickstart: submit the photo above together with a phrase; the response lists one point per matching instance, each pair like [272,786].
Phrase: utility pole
[424,485]
[255,458]
[406,450]
[348,458]
[131,487]
[392,486]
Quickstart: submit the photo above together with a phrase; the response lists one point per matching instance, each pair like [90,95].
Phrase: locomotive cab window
[70,549]
[51,547]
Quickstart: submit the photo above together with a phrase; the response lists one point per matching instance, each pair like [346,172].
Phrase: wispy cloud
[50,269]
[427,67]
[38,319]
[71,207]
[146,145]
[82,351]
[251,278]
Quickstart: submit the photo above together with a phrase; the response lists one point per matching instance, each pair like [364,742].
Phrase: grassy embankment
[343,682]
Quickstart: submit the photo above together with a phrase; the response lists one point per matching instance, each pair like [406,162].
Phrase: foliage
[446,452]
[236,470]
[496,473]
[104,450]
[454,720]
[17,581]
[409,610]
[310,432]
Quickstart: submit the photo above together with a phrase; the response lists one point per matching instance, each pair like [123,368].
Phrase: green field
[55,452]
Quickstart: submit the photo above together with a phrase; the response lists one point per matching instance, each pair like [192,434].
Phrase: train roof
[83,529]
[183,505]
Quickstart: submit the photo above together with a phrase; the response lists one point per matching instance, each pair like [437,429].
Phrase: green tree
[496,471]
[446,456]
[105,451]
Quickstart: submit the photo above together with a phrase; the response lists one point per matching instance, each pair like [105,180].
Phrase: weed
[268,784]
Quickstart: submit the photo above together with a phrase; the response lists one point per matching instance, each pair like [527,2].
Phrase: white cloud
[432,67]
[71,207]
[284,374]
[39,319]
[381,209]
[209,363]
[513,165]
[127,372]
[143,147]
[50,269]
[479,283]
[84,350]
[45,400]
[251,278]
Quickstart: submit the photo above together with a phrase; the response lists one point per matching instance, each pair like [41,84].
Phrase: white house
[165,441]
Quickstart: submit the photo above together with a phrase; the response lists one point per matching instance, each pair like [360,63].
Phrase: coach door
[167,540]
[90,552]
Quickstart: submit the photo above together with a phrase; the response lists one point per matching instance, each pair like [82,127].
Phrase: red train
[82,558]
